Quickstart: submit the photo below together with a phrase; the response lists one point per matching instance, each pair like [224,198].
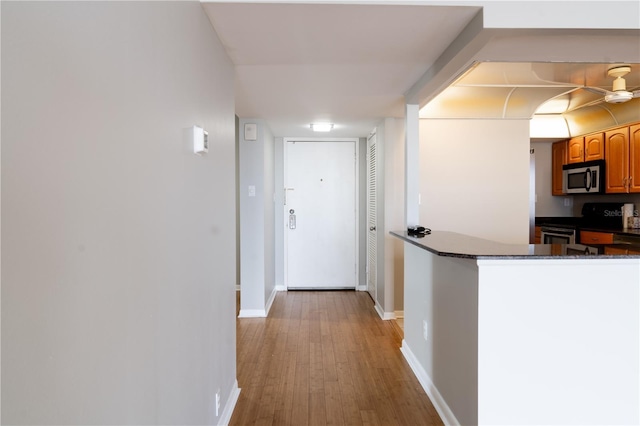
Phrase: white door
[320,212]
[372,233]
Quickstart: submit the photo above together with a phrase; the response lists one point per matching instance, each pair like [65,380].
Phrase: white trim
[356,143]
[225,417]
[361,288]
[399,314]
[270,301]
[384,315]
[252,313]
[427,384]
[281,287]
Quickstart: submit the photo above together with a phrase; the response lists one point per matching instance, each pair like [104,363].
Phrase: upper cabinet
[634,158]
[594,147]
[586,148]
[575,150]
[559,154]
[617,156]
[619,147]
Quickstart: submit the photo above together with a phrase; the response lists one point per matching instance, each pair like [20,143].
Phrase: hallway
[325,357]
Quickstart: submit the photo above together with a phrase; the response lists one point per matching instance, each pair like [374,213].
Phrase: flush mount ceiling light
[321,127]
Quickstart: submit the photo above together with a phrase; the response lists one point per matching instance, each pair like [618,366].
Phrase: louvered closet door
[371,217]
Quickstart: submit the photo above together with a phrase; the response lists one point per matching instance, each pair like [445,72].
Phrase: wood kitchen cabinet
[594,147]
[537,236]
[575,150]
[621,250]
[622,149]
[586,148]
[559,154]
[634,158]
[591,237]
[615,250]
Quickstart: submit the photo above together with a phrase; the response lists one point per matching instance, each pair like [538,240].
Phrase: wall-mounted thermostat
[200,139]
[250,132]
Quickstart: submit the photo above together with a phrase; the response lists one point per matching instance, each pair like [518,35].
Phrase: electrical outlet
[218,403]
[425,329]
[568,202]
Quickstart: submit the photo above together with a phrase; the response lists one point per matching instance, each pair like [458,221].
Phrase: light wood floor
[326,358]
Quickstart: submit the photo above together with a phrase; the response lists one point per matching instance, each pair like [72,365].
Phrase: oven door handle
[557,231]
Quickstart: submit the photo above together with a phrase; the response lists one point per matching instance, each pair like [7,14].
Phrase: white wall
[547,205]
[118,245]
[561,333]
[474,178]
[257,221]
[269,215]
[394,214]
[389,215]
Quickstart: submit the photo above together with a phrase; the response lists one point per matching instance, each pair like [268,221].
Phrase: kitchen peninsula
[522,334]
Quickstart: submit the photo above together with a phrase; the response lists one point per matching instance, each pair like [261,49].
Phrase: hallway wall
[118,242]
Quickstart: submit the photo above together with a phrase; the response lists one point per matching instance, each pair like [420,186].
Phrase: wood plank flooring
[325,358]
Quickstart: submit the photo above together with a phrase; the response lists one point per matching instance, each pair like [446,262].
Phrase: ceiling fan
[620,93]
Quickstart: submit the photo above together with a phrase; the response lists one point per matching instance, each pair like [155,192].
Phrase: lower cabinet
[591,237]
[615,250]
[621,250]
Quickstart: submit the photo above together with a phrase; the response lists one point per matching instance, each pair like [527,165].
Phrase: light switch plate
[250,131]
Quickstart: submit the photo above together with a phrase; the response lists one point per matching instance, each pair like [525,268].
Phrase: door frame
[285,215]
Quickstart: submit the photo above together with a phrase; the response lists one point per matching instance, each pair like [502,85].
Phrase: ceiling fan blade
[596,90]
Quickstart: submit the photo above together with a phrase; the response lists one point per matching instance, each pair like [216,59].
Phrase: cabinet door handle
[630,180]
[624,183]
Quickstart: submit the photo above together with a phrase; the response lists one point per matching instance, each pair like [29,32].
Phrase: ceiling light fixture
[321,127]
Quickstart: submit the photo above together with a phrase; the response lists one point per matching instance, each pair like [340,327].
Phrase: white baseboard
[252,313]
[361,288]
[384,315]
[270,301]
[259,313]
[281,287]
[225,418]
[427,384]
[399,314]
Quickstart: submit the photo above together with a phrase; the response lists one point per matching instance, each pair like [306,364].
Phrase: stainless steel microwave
[583,178]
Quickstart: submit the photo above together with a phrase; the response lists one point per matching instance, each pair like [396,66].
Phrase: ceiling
[508,90]
[347,64]
[353,64]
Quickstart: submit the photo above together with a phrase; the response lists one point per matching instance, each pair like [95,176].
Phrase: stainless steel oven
[557,235]
[580,250]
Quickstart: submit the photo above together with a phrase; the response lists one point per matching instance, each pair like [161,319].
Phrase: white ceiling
[347,64]
[352,64]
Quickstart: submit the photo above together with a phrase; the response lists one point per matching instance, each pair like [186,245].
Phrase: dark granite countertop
[452,244]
